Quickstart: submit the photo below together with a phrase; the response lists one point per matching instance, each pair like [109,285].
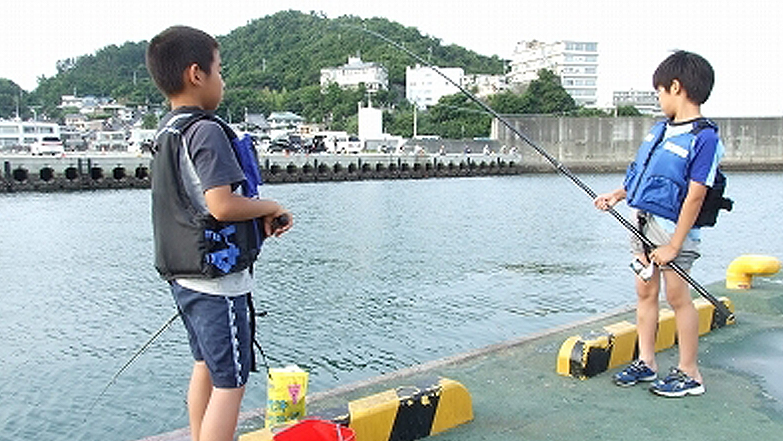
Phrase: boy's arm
[688,214]
[227,206]
[608,200]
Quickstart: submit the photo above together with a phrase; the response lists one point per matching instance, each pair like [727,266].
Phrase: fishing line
[149,342]
[131,360]
[724,314]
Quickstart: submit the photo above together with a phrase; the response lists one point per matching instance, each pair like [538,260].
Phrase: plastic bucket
[316,430]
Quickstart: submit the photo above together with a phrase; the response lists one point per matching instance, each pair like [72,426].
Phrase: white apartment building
[424,87]
[374,76]
[24,133]
[646,102]
[575,62]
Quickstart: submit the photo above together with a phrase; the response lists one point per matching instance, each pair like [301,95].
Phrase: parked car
[286,143]
[348,144]
[48,145]
[317,145]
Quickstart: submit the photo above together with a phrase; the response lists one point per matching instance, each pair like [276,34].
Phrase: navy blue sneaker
[677,384]
[634,373]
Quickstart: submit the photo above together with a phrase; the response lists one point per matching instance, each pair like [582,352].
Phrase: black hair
[174,50]
[694,73]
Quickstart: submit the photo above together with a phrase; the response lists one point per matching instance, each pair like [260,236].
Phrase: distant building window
[581,47]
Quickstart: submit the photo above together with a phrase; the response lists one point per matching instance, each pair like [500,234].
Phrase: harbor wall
[581,144]
[77,172]
[609,144]
[32,173]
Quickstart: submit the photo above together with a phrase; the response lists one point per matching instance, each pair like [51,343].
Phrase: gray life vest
[189,241]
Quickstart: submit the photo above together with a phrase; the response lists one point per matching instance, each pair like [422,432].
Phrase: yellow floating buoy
[742,269]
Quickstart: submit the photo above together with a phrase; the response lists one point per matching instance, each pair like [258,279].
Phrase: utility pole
[415,123]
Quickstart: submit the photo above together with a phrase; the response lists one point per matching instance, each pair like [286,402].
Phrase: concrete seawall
[76,172]
[68,173]
[610,143]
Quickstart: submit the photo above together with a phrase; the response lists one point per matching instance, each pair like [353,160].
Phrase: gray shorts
[658,236]
[219,334]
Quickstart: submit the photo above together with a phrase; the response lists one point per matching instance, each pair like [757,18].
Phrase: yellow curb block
[403,414]
[584,357]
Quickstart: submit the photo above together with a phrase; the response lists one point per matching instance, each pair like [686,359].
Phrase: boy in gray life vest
[208,225]
[666,186]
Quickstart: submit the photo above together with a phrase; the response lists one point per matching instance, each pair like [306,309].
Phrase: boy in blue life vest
[666,185]
[208,229]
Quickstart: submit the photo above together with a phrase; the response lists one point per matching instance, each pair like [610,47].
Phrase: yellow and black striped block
[584,357]
[409,413]
[402,414]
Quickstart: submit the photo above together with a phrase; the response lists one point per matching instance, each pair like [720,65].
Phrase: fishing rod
[136,355]
[725,315]
[277,223]
[152,339]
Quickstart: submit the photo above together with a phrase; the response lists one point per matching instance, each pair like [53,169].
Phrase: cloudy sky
[740,38]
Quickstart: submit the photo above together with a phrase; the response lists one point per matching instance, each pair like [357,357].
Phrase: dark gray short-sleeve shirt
[212,155]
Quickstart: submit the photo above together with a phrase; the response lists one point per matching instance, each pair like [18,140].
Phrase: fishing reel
[643,272]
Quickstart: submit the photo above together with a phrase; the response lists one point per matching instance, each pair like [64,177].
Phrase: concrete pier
[298,168]
[97,171]
[518,395]
[73,172]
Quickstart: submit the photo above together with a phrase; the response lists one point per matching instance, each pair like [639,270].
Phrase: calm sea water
[375,276]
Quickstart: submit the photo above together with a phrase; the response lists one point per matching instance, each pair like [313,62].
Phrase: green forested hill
[272,63]
[289,49]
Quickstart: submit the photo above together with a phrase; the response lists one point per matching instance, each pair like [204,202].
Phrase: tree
[150,121]
[400,121]
[457,116]
[507,102]
[628,111]
[547,95]
[12,98]
[544,95]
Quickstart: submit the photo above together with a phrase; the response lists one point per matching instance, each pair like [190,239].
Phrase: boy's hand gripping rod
[724,314]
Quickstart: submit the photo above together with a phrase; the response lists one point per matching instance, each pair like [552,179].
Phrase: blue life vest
[188,241]
[657,181]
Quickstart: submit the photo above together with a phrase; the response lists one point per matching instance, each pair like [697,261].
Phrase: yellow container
[286,394]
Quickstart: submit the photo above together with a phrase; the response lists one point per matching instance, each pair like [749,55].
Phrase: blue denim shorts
[219,334]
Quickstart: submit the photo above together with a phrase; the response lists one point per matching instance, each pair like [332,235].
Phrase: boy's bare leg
[679,297]
[199,393]
[647,316]
[220,419]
